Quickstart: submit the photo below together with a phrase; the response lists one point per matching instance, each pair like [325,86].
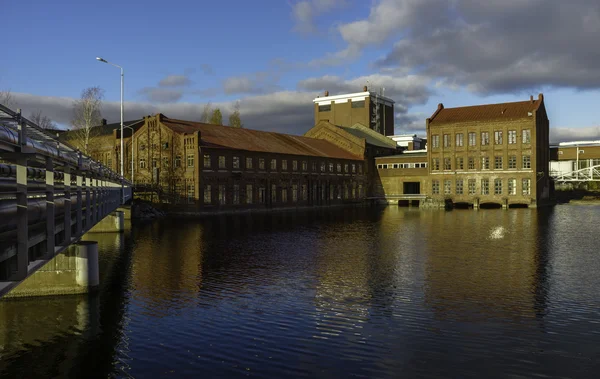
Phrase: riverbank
[578,197]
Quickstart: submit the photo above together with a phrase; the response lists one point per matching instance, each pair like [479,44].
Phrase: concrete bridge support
[113,222]
[74,271]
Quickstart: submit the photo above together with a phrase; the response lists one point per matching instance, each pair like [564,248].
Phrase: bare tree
[7,99]
[375,117]
[86,115]
[206,113]
[234,118]
[41,120]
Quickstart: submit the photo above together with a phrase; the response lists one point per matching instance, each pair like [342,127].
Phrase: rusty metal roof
[489,112]
[226,137]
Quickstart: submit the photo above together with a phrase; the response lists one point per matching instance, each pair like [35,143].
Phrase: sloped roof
[488,112]
[102,130]
[227,137]
[371,136]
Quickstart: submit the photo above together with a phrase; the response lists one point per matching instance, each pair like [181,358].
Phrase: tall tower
[370,109]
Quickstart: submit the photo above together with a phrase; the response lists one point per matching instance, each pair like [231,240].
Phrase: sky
[275,56]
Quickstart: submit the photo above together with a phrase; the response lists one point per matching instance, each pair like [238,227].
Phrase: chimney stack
[104,121]
[531,99]
[541,96]
[326,93]
[365,89]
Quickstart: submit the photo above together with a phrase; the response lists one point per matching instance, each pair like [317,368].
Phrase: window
[331,192]
[142,162]
[207,194]
[472,139]
[459,186]
[284,165]
[447,164]
[459,139]
[447,187]
[165,145]
[248,163]
[262,195]
[206,161]
[295,165]
[190,194]
[447,140]
[497,186]
[325,108]
[330,167]
[273,164]
[360,168]
[261,163]
[294,193]
[497,163]
[526,136]
[460,163]
[190,160]
[154,162]
[178,161]
[221,161]
[284,193]
[322,166]
[512,161]
[485,163]
[273,193]
[526,187]
[353,168]
[346,167]
[314,166]
[471,163]
[236,162]
[512,137]
[485,138]
[435,187]
[526,161]
[236,194]
[358,104]
[485,186]
[165,162]
[435,141]
[248,193]
[222,194]
[339,167]
[498,137]
[304,192]
[304,166]
[512,186]
[435,164]
[471,186]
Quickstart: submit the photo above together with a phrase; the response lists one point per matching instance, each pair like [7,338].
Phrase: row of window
[236,164]
[485,138]
[459,163]
[165,162]
[240,195]
[401,165]
[484,187]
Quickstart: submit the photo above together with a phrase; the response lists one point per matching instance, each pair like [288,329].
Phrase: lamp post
[122,77]
[132,158]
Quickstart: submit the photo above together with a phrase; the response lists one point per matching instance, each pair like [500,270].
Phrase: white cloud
[256,83]
[304,13]
[175,81]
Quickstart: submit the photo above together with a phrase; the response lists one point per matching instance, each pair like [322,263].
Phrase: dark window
[358,104]
[325,108]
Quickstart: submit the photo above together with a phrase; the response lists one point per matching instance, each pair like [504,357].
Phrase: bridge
[587,174]
[50,195]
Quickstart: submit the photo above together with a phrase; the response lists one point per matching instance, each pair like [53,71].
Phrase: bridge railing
[586,174]
[50,194]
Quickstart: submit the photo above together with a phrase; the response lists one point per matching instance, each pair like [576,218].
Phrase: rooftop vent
[326,93]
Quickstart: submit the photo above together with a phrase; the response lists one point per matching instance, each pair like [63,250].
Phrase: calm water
[389,292]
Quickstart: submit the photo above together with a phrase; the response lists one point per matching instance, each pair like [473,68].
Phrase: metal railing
[50,195]
[587,174]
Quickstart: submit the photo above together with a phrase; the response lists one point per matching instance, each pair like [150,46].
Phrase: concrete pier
[73,271]
[113,222]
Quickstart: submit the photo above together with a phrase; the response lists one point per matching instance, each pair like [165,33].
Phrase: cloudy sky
[275,56]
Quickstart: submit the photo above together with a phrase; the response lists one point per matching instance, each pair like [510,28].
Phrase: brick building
[496,153]
[216,167]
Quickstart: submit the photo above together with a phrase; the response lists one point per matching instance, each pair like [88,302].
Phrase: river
[358,292]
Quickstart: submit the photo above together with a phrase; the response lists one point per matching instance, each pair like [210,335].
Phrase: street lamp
[122,77]
[132,144]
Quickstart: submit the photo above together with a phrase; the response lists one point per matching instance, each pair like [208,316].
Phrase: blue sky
[275,56]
